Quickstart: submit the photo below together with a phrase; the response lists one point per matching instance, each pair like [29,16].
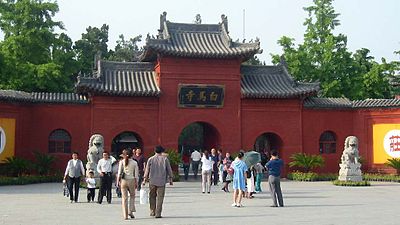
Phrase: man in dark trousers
[74,171]
[104,168]
[158,170]
[274,167]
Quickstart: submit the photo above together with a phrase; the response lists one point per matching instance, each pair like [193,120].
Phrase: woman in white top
[127,178]
[206,169]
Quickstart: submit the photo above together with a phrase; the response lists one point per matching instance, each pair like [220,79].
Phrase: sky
[368,24]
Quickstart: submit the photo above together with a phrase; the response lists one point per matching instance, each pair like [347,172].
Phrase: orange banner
[386,142]
[7,138]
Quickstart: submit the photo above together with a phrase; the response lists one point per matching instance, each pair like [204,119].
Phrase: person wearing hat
[127,179]
[158,170]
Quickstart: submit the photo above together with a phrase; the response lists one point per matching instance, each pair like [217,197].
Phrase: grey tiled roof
[196,41]
[121,78]
[314,102]
[273,82]
[377,103]
[341,103]
[42,97]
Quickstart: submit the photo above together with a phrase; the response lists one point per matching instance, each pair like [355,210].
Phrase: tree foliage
[126,50]
[324,57]
[92,43]
[29,42]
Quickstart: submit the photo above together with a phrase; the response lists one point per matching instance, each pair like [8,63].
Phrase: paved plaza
[305,203]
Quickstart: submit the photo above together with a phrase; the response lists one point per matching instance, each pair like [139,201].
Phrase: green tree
[26,52]
[324,57]
[92,43]
[307,162]
[126,50]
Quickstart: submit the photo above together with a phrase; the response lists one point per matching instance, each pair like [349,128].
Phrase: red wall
[317,121]
[111,116]
[35,122]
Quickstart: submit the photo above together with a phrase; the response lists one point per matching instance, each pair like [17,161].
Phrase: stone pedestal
[350,172]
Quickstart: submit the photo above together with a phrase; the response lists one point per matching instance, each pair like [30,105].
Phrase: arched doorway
[265,143]
[126,139]
[200,136]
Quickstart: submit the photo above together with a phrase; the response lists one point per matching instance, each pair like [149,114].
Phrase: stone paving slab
[305,203]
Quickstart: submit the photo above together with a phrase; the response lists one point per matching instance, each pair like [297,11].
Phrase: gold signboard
[201,96]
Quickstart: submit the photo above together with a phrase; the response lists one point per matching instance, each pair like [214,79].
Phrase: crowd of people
[134,171]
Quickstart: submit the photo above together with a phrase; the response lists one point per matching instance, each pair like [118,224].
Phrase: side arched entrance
[267,142]
[125,140]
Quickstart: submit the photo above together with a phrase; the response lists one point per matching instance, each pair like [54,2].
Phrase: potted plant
[394,163]
[307,162]
[174,159]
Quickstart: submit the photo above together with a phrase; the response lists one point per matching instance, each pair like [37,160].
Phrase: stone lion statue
[350,152]
[95,152]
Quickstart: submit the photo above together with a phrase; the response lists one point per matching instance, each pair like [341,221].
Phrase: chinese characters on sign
[201,96]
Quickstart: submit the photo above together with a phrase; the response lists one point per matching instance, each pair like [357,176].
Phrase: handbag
[231,170]
[65,190]
[143,196]
[122,175]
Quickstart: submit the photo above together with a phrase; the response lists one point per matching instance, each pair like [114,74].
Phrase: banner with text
[7,138]
[386,139]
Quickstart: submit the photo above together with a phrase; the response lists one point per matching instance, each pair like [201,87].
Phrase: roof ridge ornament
[224,22]
[163,21]
[197,19]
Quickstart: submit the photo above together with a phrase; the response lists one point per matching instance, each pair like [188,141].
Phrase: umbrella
[252,158]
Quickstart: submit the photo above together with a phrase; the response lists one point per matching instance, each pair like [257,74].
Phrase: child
[250,182]
[91,186]
[259,175]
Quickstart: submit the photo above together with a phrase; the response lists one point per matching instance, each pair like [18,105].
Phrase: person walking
[239,179]
[186,163]
[206,169]
[195,156]
[274,167]
[259,175]
[104,168]
[141,161]
[91,186]
[215,158]
[72,176]
[227,161]
[127,178]
[158,170]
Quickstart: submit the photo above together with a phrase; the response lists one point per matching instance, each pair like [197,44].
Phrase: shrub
[394,163]
[311,176]
[43,163]
[22,180]
[17,166]
[351,183]
[307,162]
[381,177]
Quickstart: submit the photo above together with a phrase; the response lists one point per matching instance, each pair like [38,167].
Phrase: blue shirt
[274,167]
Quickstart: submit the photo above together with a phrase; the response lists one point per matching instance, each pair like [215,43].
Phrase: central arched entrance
[200,136]
[126,139]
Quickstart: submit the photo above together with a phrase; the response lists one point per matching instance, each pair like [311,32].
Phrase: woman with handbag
[127,177]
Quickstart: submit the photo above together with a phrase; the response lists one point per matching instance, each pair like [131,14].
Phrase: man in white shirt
[74,171]
[104,168]
[196,156]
